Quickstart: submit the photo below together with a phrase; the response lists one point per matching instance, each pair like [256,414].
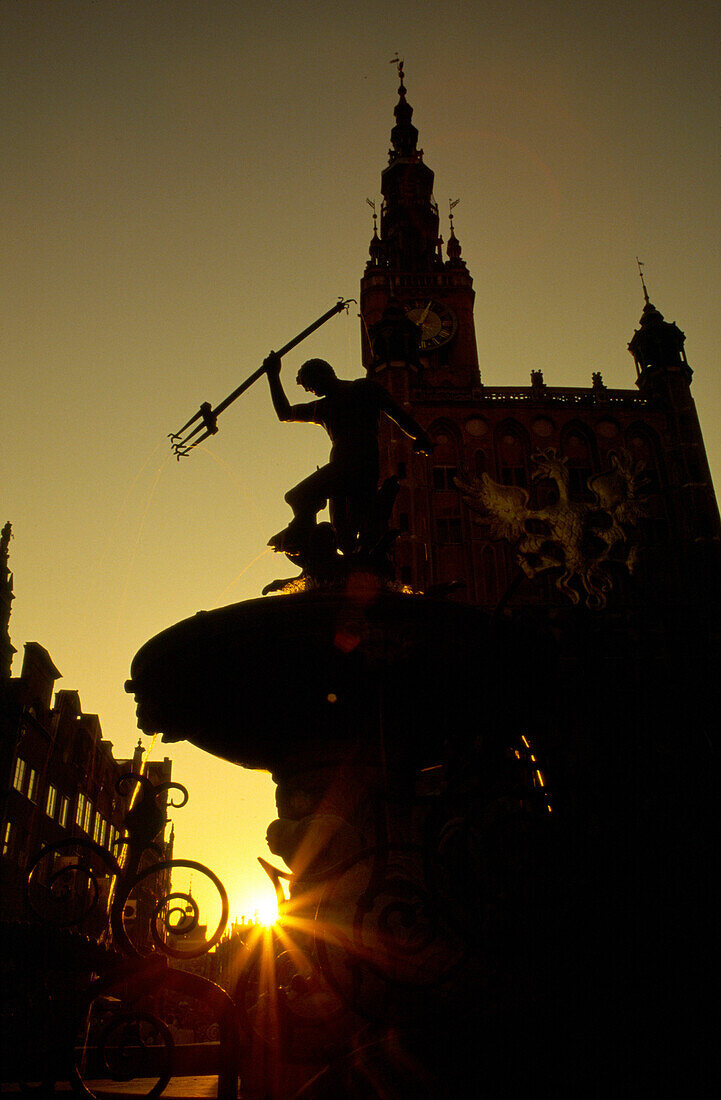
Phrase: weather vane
[643,283]
[375,216]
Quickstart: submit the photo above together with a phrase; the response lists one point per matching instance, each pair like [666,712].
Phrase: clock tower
[582,519]
[407,269]
[517,470]
[419,341]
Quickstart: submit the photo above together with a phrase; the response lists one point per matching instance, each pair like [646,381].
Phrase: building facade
[532,451]
[584,522]
[59,777]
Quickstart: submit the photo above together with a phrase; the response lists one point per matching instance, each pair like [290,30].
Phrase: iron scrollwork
[124,900]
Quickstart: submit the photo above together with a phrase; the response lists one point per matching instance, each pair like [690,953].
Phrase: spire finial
[372,205]
[376,246]
[404,135]
[453,247]
[397,60]
[643,283]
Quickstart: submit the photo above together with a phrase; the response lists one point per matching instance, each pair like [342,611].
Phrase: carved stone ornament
[579,539]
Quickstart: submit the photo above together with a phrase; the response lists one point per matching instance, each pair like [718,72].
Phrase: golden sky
[183,188]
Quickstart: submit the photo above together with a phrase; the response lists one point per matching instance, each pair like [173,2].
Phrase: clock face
[437,323]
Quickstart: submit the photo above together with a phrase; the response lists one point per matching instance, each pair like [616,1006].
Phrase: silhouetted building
[508,432]
[584,519]
[58,776]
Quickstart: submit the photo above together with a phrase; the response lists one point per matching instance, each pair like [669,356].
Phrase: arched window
[446,503]
[641,446]
[444,459]
[512,449]
[576,448]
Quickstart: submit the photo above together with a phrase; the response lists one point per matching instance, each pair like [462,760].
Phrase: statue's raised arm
[284,410]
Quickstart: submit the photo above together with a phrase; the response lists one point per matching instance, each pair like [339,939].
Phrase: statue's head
[316,376]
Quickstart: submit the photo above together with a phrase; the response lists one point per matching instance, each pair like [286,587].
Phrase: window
[98,829]
[88,818]
[64,813]
[545,493]
[51,800]
[575,448]
[443,478]
[513,475]
[80,810]
[19,776]
[643,451]
[512,458]
[32,784]
[578,478]
[448,529]
[8,838]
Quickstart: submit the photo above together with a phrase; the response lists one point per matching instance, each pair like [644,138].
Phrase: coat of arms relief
[578,538]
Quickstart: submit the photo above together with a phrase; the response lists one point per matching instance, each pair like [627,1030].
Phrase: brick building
[58,775]
[544,441]
[584,522]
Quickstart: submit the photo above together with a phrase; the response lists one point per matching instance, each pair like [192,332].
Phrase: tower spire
[417,306]
[409,215]
[404,135]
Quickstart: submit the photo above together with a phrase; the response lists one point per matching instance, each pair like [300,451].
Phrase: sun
[266,911]
[260,908]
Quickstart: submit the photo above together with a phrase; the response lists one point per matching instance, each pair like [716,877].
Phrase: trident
[208,416]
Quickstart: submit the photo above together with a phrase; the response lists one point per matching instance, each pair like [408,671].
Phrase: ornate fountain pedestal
[411,812]
[258,681]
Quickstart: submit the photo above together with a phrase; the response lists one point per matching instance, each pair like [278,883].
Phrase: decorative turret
[658,345]
[664,378]
[376,250]
[6,598]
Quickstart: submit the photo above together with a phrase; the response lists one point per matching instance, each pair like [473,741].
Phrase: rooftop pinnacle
[404,134]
